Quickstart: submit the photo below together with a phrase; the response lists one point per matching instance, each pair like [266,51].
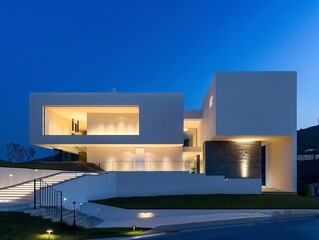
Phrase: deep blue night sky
[152,46]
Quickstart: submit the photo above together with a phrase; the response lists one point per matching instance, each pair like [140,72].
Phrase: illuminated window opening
[90,120]
[211,102]
[190,137]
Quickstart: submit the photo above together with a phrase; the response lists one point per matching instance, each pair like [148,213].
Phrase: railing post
[47,197]
[55,203]
[40,193]
[35,193]
[60,207]
[50,199]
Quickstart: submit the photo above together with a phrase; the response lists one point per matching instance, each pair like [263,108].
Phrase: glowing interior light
[185,129]
[10,175]
[64,199]
[243,140]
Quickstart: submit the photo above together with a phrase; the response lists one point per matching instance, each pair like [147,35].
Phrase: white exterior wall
[281,164]
[160,117]
[255,103]
[20,175]
[250,104]
[208,123]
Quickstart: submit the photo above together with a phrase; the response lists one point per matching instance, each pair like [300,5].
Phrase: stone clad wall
[233,159]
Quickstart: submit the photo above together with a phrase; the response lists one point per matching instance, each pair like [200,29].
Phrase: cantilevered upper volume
[245,130]
[106,118]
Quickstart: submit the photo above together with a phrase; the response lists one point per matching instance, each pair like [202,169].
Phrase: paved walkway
[183,219]
[219,218]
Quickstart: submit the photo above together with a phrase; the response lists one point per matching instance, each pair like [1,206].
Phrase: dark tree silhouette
[17,153]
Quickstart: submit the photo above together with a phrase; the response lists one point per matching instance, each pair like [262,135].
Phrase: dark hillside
[308,138]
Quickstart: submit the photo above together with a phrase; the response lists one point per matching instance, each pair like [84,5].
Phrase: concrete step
[24,191]
[81,219]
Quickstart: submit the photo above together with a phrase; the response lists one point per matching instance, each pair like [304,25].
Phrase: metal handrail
[45,196]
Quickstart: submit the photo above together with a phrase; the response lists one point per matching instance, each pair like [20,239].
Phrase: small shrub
[305,191]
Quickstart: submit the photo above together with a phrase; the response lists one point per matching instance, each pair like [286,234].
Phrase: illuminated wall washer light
[64,199]
[146,215]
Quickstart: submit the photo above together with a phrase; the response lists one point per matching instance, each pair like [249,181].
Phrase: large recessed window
[91,120]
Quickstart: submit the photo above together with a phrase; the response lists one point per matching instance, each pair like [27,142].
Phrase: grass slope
[68,166]
[17,226]
[264,201]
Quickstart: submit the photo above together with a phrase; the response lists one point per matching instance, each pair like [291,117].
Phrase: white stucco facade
[151,132]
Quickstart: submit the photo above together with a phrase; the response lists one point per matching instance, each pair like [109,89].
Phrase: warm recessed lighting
[146,215]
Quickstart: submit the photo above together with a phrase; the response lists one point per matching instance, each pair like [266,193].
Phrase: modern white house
[245,132]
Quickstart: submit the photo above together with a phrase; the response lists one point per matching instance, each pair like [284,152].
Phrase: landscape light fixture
[49,231]
[133,228]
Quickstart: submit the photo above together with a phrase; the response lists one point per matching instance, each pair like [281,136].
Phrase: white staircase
[23,193]
[81,219]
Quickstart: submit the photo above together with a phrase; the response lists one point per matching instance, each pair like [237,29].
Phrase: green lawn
[17,226]
[68,166]
[264,201]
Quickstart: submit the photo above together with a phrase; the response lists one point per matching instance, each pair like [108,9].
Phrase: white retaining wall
[127,184]
[87,187]
[177,183]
